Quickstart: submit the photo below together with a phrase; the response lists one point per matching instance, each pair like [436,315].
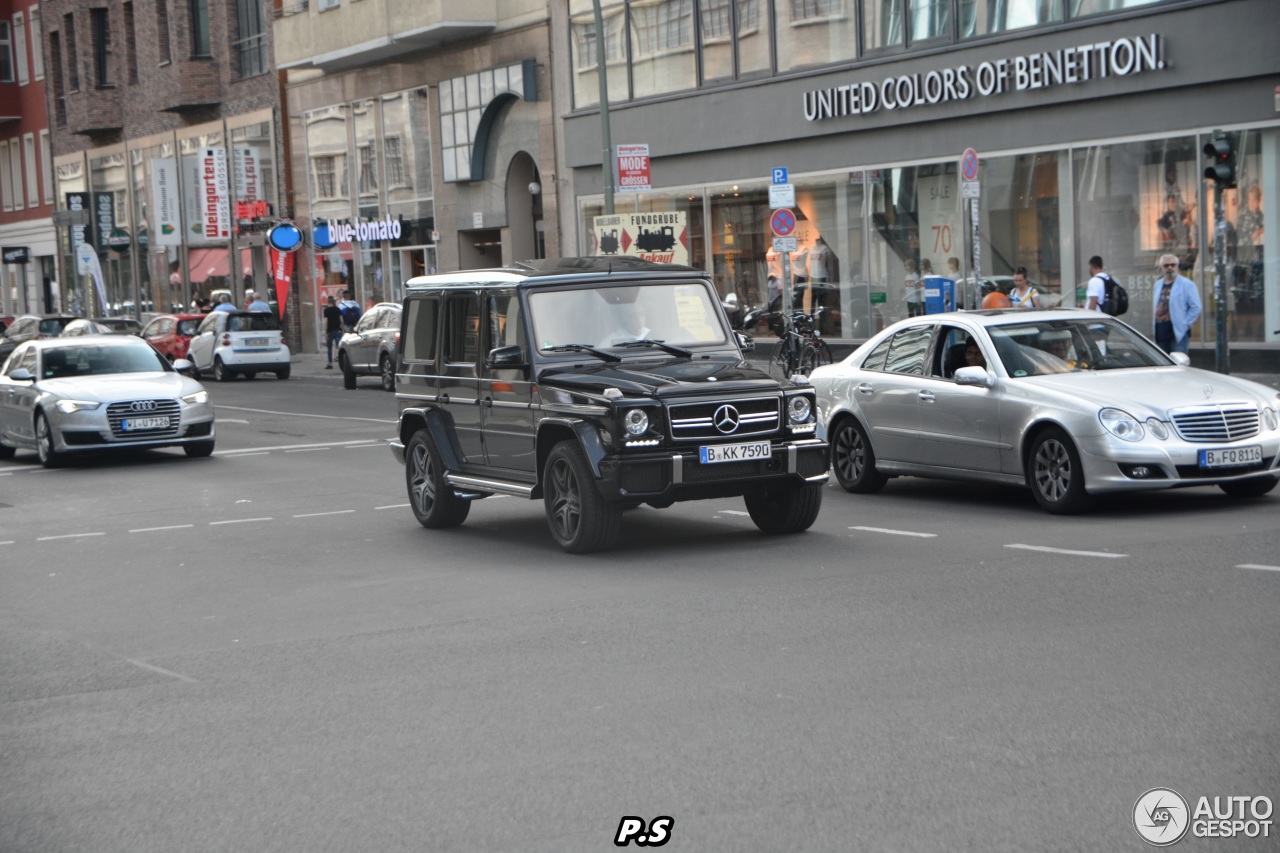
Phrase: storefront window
[586,85]
[207,216]
[329,191]
[73,194]
[662,38]
[815,32]
[1247,248]
[1020,222]
[983,17]
[406,145]
[108,179]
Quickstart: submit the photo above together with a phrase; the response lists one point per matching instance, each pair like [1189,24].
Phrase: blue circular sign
[321,238]
[284,237]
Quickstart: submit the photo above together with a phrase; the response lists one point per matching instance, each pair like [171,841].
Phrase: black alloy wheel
[283,373]
[387,370]
[580,519]
[6,452]
[1254,487]
[1055,474]
[785,509]
[348,373]
[432,499]
[853,460]
[199,449]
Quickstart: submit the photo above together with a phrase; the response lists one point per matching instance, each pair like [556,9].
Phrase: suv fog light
[798,409]
[636,422]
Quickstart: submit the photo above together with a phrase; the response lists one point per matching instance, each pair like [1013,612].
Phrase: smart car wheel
[49,457]
[580,519]
[1255,487]
[199,450]
[785,509]
[220,371]
[283,373]
[853,460]
[348,374]
[388,373]
[431,497]
[6,452]
[1055,475]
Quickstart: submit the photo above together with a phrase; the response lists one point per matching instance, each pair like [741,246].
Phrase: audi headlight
[196,398]
[68,407]
[636,422]
[1121,424]
[798,410]
[1157,428]
[1269,418]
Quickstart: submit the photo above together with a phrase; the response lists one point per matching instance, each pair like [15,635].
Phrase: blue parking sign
[780,175]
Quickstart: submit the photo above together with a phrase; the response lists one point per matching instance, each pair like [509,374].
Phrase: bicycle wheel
[823,350]
[808,359]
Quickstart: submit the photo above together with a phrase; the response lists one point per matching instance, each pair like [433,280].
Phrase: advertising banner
[206,197]
[659,237]
[245,170]
[80,233]
[166,215]
[104,218]
[282,271]
[633,168]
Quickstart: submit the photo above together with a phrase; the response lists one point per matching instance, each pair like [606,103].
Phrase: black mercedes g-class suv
[594,384]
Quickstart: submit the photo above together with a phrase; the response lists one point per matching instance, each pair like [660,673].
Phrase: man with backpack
[350,310]
[1097,290]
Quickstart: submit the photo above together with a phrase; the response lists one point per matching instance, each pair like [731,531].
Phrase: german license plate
[256,342]
[735,452]
[1231,457]
[129,424]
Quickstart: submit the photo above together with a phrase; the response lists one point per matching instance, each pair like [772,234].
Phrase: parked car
[31,327]
[171,334]
[63,396]
[101,326]
[372,347]
[227,343]
[1067,402]
[593,384]
[121,325]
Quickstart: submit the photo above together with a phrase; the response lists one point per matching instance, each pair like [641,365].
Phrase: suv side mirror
[21,375]
[746,343]
[506,358]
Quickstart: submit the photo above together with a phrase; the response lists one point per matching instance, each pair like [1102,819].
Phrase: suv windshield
[1063,346]
[609,316]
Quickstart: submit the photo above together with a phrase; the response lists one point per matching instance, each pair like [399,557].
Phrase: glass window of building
[584,44]
[103,60]
[984,17]
[930,20]
[366,126]
[199,27]
[1080,8]
[735,38]
[406,146]
[1247,247]
[815,32]
[110,212]
[208,229]
[1021,222]
[249,48]
[6,53]
[883,24]
[329,189]
[662,41]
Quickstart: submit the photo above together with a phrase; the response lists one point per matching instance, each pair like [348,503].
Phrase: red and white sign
[783,222]
[282,272]
[633,168]
[215,212]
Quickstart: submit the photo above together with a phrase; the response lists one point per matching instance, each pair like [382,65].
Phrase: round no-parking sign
[969,165]
[783,222]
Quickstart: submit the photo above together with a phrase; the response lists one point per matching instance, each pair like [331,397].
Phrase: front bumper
[1111,465]
[679,475]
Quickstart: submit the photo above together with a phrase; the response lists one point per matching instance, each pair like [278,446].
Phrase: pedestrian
[912,293]
[1175,307]
[1023,295]
[332,328]
[1096,293]
[224,303]
[350,311]
[256,303]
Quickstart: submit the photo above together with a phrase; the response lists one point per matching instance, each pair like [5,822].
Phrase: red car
[171,333]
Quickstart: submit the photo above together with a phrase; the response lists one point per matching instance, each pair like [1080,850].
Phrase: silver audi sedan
[69,395]
[1070,403]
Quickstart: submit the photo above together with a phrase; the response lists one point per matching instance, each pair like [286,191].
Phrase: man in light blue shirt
[256,303]
[1175,305]
[224,303]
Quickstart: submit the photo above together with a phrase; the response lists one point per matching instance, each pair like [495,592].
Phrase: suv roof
[556,270]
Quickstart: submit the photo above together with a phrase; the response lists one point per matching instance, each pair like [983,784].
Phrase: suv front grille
[117,413]
[721,419]
[1216,423]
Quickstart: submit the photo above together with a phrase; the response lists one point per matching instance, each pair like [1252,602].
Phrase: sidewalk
[310,366]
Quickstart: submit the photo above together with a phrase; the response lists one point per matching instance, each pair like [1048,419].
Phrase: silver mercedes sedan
[69,395]
[1070,403]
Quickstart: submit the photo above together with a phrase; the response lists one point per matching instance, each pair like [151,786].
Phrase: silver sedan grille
[118,413]
[1216,423]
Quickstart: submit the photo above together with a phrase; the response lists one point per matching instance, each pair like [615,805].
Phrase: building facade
[28,266]
[168,151]
[422,140]
[1088,119]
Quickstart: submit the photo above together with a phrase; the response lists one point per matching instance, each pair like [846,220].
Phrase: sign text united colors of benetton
[1123,57]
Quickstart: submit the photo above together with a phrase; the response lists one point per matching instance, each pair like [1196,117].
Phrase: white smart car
[231,342]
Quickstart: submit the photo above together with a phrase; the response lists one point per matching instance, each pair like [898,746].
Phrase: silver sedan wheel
[49,457]
[1053,470]
[1056,477]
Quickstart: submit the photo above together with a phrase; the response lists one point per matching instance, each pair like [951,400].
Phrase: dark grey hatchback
[370,349]
[594,384]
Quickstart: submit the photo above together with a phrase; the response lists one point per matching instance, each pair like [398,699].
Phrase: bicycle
[801,346]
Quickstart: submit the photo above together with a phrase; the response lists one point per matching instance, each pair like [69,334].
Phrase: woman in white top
[1023,295]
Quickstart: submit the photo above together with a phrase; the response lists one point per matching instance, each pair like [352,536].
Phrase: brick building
[166,127]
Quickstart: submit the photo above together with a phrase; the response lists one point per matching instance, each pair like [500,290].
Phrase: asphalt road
[264,651]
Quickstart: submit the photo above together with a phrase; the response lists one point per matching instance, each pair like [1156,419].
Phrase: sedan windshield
[65,362]
[1064,346]
[611,316]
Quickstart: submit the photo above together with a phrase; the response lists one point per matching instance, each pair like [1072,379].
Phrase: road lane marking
[732,512]
[249,450]
[232,421]
[305,415]
[161,670]
[240,521]
[897,532]
[1049,550]
[306,450]
[155,529]
[68,536]
[9,542]
[1255,566]
[393,506]
[318,514]
[366,446]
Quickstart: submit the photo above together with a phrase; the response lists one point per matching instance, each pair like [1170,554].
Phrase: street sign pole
[1222,361]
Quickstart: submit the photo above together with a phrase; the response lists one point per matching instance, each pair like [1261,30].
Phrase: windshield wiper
[600,354]
[650,342]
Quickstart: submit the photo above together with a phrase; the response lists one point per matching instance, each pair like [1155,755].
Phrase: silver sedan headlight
[197,398]
[1121,424]
[68,407]
[636,422]
[798,409]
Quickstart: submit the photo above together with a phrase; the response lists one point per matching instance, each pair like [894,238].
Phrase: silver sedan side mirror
[1181,358]
[974,375]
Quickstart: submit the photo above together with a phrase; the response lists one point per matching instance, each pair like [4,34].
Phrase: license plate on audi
[735,452]
[1231,457]
[130,424]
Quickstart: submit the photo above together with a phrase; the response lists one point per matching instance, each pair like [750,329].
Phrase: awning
[206,263]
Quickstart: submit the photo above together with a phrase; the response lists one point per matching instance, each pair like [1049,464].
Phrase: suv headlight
[636,422]
[196,398]
[1121,424]
[798,409]
[68,407]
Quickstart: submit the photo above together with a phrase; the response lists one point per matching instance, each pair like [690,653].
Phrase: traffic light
[1221,156]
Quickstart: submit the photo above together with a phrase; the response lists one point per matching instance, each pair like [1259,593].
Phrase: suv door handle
[487,402]
[444,398]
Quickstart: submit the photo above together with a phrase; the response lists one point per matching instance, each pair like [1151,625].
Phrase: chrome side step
[493,487]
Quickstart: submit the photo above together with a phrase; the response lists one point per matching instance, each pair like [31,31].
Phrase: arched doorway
[524,209]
